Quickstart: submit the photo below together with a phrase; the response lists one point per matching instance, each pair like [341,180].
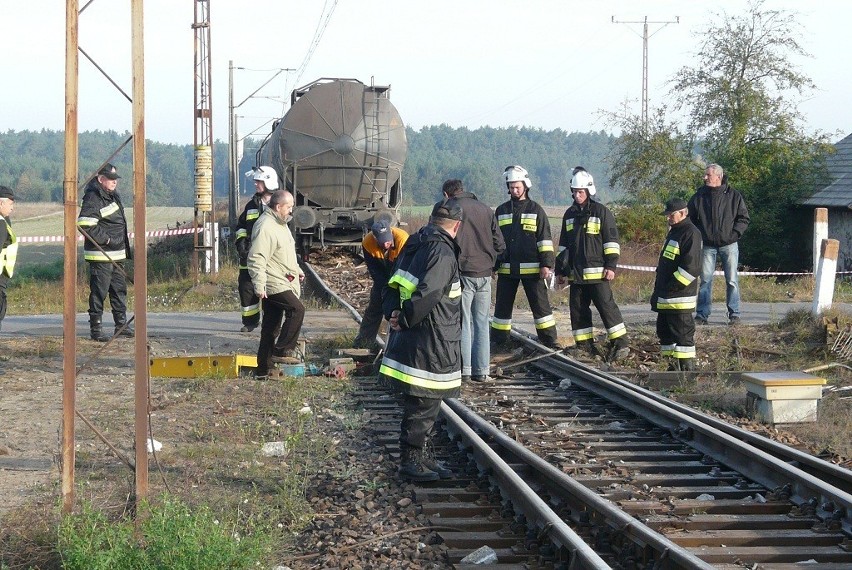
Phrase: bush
[172,536]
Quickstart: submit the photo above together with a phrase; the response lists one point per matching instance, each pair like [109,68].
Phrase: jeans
[475,347]
[729,256]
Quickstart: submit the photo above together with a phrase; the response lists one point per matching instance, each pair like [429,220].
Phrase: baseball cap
[6,192]
[448,209]
[109,171]
[674,205]
[382,232]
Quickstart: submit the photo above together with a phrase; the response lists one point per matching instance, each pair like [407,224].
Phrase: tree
[740,101]
[652,162]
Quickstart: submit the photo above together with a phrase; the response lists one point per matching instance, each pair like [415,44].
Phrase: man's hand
[394,320]
[261,294]
[609,274]
[545,273]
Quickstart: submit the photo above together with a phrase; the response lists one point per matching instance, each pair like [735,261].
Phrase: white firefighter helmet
[268,175]
[584,180]
[517,174]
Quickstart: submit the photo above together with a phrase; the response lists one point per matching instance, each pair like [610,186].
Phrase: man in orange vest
[381,247]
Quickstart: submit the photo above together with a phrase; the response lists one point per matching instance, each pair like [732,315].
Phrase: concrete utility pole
[645,37]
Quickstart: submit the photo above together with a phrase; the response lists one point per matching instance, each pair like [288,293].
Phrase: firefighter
[676,286]
[528,260]
[588,258]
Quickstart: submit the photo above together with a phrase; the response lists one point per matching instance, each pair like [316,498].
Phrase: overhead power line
[322,24]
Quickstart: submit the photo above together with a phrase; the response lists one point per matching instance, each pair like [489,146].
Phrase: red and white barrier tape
[155,233]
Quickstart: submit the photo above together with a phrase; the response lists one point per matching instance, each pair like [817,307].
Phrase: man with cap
[8,245]
[265,183]
[480,242]
[106,246]
[676,286]
[381,247]
[588,258]
[422,302]
[527,260]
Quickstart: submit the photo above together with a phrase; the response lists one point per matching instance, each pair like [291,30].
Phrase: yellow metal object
[223,366]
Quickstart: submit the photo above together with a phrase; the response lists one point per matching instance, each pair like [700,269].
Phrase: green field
[29,222]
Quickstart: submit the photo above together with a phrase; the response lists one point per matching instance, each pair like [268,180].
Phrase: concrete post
[820,233]
[824,290]
[211,247]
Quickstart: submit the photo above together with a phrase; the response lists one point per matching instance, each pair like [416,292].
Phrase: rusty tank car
[340,150]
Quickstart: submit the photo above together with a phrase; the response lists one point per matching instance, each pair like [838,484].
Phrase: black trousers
[3,282]
[580,302]
[536,292]
[676,332]
[249,301]
[372,319]
[107,279]
[286,306]
[418,418]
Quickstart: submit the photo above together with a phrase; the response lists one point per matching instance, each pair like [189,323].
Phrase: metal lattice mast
[203,136]
[645,37]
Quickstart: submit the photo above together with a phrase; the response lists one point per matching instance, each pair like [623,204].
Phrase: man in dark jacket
[422,303]
[265,183]
[480,242]
[106,246]
[676,286]
[720,214]
[588,258]
[381,246]
[528,260]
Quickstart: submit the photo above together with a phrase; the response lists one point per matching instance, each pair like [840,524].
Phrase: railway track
[560,465]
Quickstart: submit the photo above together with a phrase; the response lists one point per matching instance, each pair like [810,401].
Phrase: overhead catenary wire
[322,24]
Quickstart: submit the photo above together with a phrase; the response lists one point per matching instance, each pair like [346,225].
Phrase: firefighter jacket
[588,243]
[380,262]
[526,232]
[272,262]
[676,286]
[424,358]
[8,248]
[245,224]
[720,214]
[102,219]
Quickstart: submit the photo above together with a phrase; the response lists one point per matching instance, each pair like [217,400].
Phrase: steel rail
[523,498]
[695,429]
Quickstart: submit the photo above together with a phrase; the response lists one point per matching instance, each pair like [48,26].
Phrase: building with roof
[837,198]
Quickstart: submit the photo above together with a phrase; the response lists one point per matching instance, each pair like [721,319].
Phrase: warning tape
[754,273]
[155,233]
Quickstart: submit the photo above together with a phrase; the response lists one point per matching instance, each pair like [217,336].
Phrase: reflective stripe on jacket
[588,244]
[424,358]
[9,251]
[678,270]
[526,232]
[104,225]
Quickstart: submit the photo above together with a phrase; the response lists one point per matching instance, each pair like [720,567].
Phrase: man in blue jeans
[480,241]
[720,214]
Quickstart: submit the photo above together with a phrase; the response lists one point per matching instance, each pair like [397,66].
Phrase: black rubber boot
[96,333]
[126,331]
[411,466]
[618,350]
[431,463]
[686,364]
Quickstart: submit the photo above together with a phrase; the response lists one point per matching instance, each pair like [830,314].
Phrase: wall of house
[840,228]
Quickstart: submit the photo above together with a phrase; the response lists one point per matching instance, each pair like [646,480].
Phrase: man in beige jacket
[277,277]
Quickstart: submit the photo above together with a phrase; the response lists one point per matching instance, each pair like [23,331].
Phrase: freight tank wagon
[340,150]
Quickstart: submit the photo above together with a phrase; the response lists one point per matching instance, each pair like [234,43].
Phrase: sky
[465,63]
